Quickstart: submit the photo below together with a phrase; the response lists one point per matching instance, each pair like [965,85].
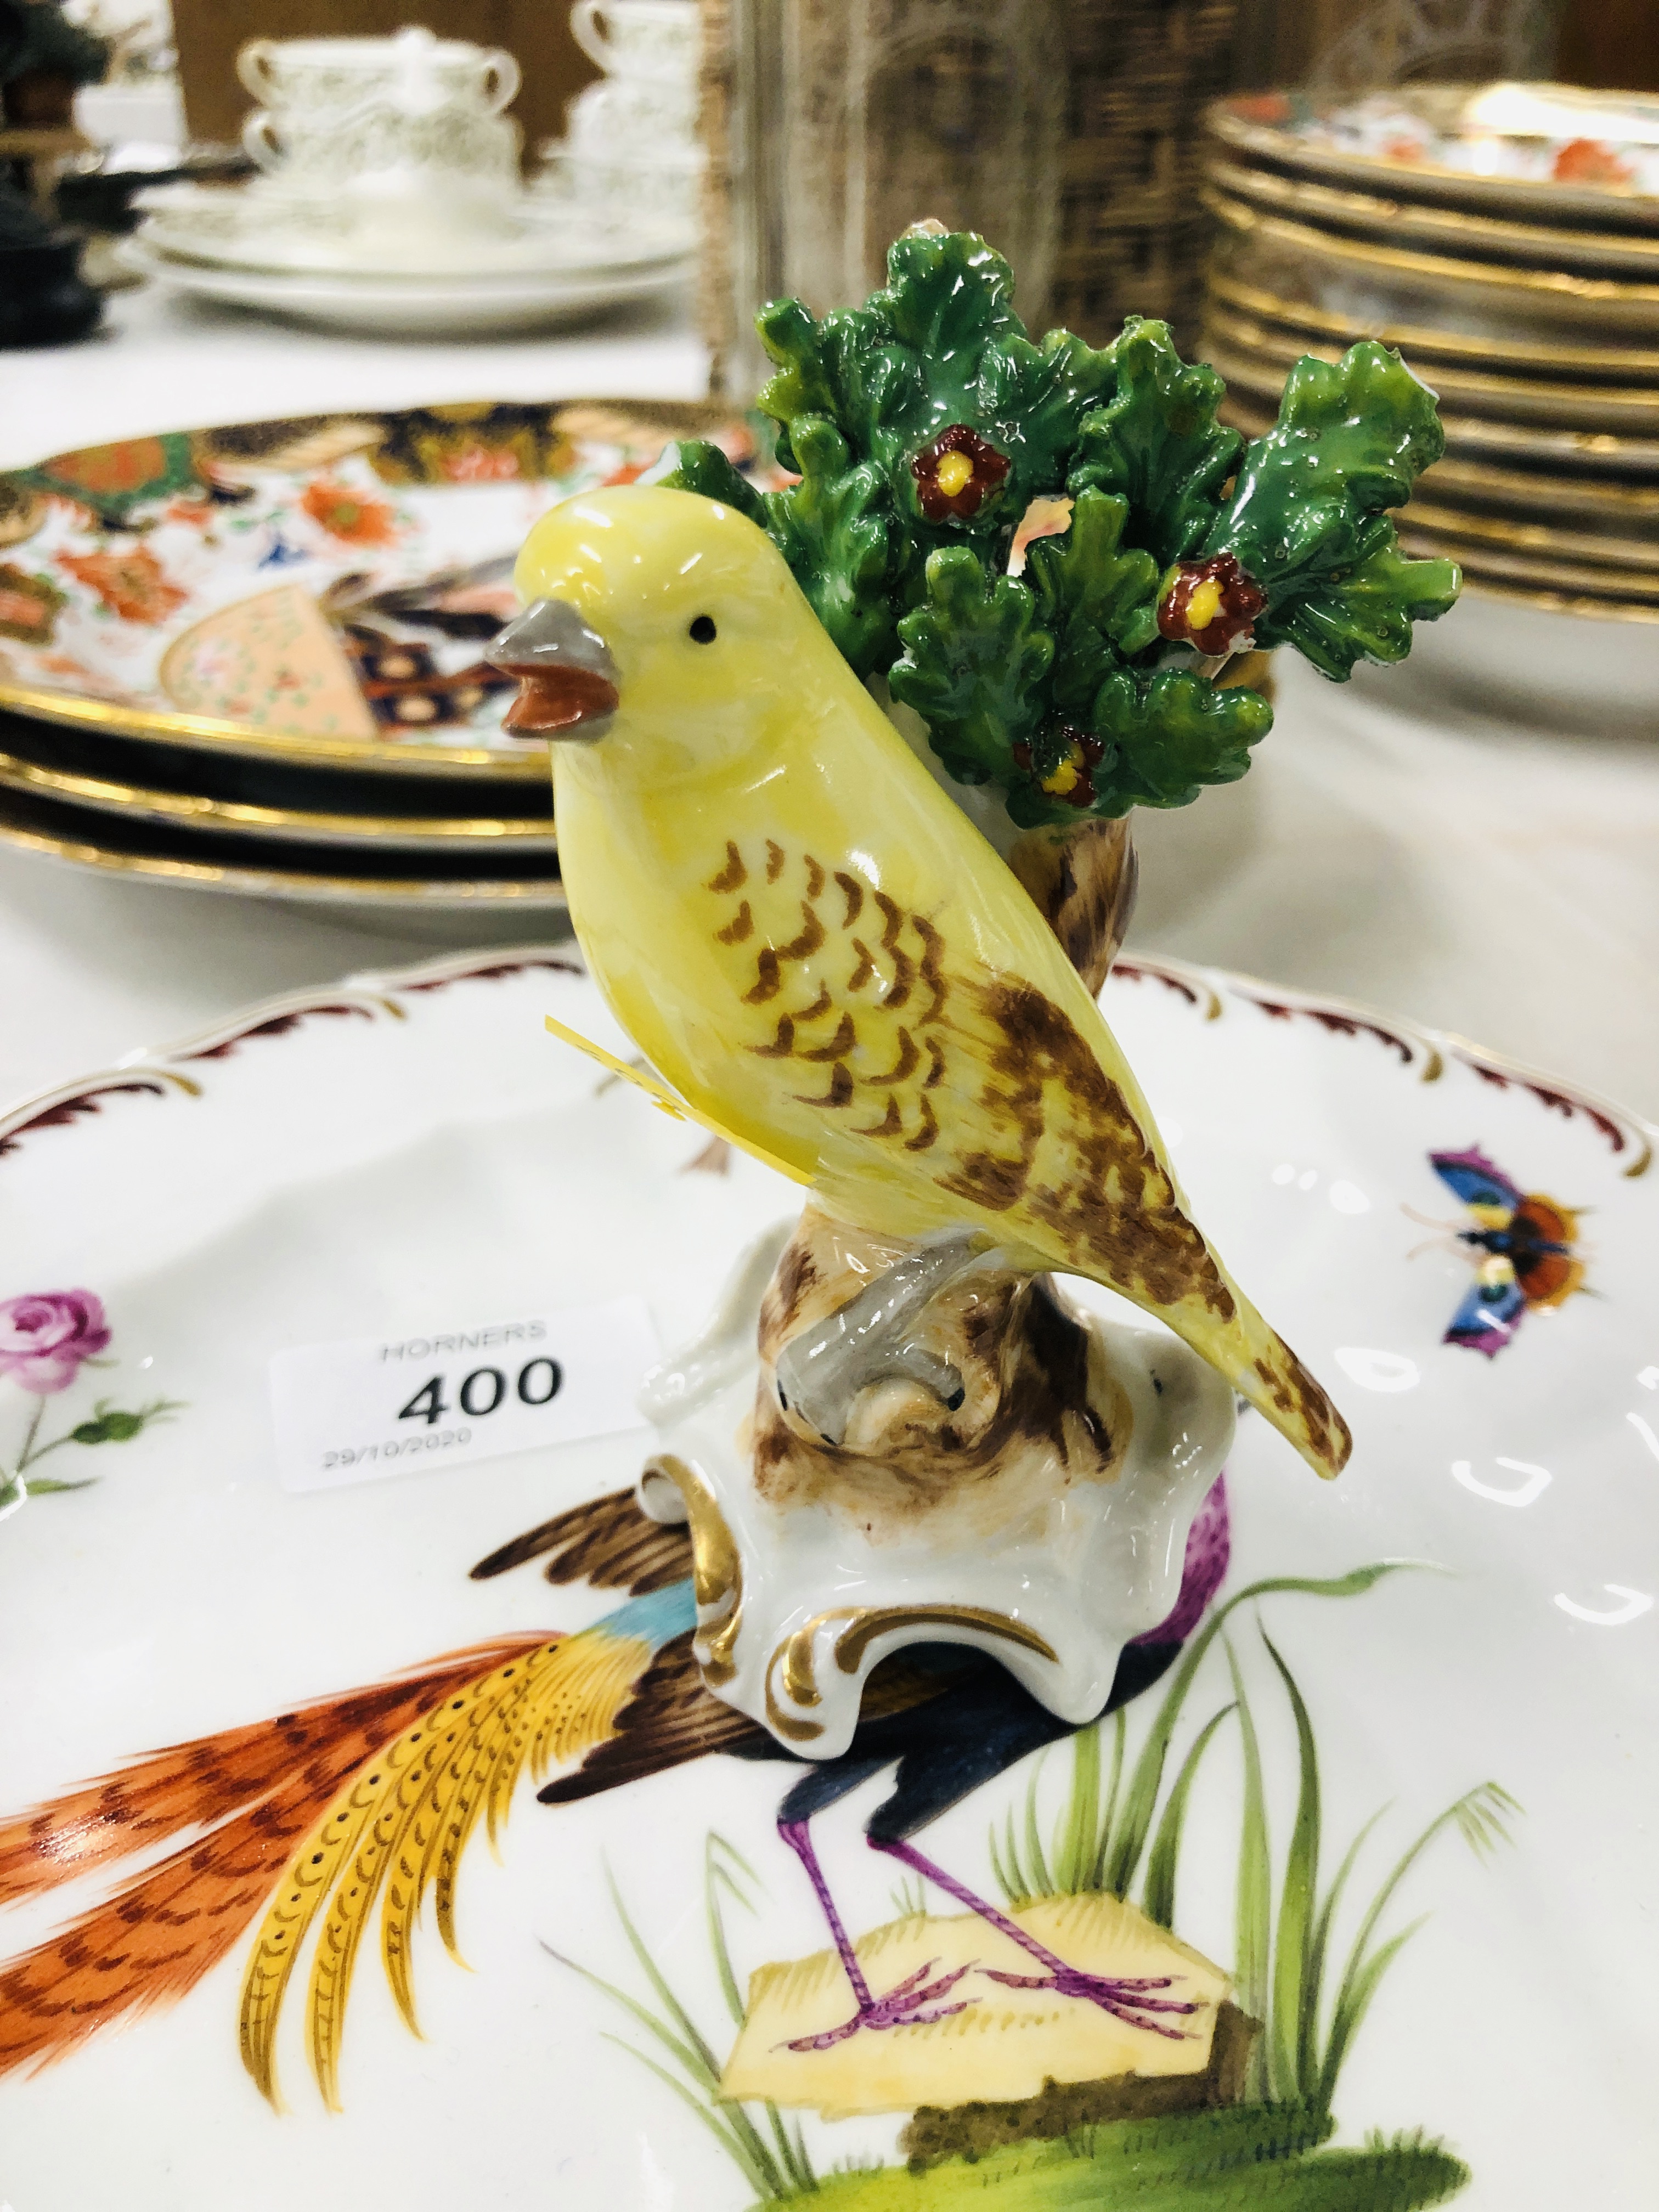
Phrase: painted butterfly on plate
[1524,1247]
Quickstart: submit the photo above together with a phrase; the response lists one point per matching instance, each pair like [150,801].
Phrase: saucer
[1437,1674]
[413,306]
[268,226]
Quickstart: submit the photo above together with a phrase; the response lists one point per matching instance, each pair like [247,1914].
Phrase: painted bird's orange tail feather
[252,1792]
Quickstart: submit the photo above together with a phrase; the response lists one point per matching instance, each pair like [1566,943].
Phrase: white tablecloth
[1497,882]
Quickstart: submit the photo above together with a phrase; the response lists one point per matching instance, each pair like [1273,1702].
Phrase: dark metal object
[43,301]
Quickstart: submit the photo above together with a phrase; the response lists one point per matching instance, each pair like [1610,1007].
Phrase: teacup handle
[260,142]
[584,29]
[254,67]
[501,76]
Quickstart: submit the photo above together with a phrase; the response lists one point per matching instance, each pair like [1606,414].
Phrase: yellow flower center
[1062,780]
[955,473]
[1204,605]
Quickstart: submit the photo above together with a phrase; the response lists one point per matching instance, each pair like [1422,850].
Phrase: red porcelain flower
[958,473]
[1210,605]
[1070,776]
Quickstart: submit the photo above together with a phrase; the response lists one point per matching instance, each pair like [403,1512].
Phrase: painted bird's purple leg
[913,2002]
[1126,2000]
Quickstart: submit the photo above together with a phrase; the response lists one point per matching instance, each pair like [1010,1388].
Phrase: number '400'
[485,1388]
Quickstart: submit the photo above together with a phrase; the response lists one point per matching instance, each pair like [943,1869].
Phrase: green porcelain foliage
[1157,441]
[834,534]
[1019,678]
[1170,734]
[1364,612]
[1306,514]
[940,345]
[975,664]
[705,470]
[1097,597]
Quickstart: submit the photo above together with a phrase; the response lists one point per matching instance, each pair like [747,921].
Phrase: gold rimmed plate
[1436,229]
[317,592]
[1519,398]
[1589,452]
[1271,127]
[1616,586]
[1598,364]
[1329,264]
[393,881]
[1557,601]
[114,776]
[1516,534]
[1617,507]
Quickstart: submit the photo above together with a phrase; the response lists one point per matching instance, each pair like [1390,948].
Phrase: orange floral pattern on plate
[130,584]
[347,514]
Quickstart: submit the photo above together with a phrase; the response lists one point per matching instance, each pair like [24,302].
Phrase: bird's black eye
[703,631]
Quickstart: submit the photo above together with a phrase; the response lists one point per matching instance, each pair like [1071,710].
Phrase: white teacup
[383,121]
[382,153]
[414,68]
[659,189]
[649,38]
[631,115]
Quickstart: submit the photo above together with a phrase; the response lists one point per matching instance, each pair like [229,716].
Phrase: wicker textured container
[1066,130]
[1131,231]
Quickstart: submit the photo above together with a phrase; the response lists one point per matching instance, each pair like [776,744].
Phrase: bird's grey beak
[567,679]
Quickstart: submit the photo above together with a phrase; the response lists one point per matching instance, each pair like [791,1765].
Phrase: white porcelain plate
[414,306]
[410,1156]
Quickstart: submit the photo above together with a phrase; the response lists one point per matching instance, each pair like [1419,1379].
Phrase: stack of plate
[538,266]
[251,658]
[1506,241]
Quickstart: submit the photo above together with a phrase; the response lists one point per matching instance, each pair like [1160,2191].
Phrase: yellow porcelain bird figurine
[816,948]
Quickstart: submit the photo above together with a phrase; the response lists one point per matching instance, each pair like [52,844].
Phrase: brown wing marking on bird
[673,1719]
[1081,1179]
[839,1046]
[999,1093]
[733,876]
[928,1133]
[1304,1402]
[891,1123]
[607,1541]
[831,998]
[670,1719]
[1079,1164]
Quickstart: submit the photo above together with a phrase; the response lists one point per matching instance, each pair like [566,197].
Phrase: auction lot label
[375,1406]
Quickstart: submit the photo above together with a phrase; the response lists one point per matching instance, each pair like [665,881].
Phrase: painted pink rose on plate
[45,1336]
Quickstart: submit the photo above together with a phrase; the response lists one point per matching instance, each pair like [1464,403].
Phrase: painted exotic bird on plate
[302,1828]
[808,939]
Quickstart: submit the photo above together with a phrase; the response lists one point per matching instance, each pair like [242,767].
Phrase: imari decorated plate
[317,592]
[1352,1889]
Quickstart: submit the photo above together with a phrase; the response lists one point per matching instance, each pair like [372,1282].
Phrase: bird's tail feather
[248,1791]
[401,1828]
[320,1812]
